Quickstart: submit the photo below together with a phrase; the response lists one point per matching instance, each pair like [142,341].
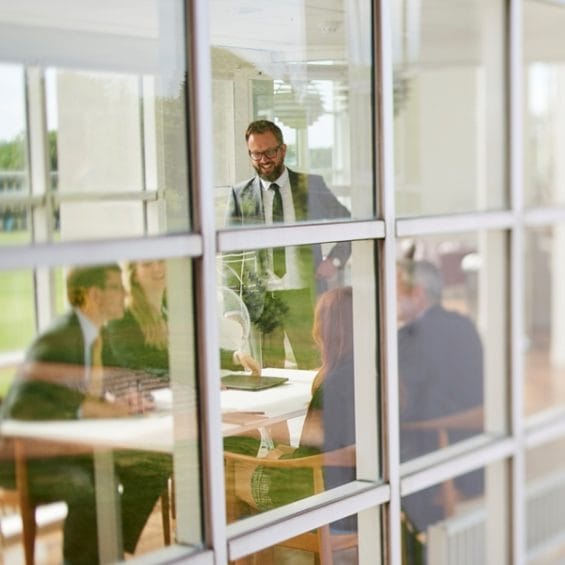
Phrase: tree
[13,153]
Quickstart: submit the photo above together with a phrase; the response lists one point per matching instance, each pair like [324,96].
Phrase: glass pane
[449,105]
[544,58]
[545,488]
[308,69]
[462,520]
[296,337]
[91,414]
[543,353]
[15,224]
[14,179]
[13,140]
[17,324]
[307,549]
[451,341]
[109,111]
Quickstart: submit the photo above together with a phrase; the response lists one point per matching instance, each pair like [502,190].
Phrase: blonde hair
[151,321]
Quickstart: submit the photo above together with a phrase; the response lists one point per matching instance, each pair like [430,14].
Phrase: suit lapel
[252,202]
[299,189]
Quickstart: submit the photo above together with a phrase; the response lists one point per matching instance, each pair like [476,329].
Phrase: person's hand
[326,269]
[136,401]
[249,363]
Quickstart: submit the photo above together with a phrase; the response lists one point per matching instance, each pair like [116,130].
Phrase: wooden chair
[168,510]
[19,451]
[466,420]
[322,542]
[19,497]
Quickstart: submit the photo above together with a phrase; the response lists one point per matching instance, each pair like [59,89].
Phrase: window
[449,117]
[393,144]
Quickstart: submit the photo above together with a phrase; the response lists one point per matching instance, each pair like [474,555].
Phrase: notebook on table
[251,382]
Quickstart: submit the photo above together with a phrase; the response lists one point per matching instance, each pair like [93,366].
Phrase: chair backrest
[239,468]
[471,420]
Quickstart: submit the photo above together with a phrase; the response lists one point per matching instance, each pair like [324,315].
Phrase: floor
[49,543]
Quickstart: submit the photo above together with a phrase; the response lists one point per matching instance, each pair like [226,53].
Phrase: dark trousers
[143,477]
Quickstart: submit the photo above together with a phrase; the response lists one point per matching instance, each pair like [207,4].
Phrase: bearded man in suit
[62,378]
[287,278]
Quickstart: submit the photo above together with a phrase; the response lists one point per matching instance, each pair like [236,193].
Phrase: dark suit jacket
[440,367]
[49,384]
[313,201]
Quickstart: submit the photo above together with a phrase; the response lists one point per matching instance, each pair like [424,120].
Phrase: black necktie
[279,260]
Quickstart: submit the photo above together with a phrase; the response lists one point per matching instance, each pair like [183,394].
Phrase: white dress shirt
[89,334]
[292,279]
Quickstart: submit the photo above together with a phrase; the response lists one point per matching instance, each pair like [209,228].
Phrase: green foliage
[12,154]
[273,315]
[52,139]
[18,319]
[253,294]
[266,311]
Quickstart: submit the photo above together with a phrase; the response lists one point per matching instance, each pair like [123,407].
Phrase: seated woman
[138,341]
[330,418]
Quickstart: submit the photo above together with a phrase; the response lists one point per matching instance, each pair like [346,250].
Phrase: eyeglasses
[269,153]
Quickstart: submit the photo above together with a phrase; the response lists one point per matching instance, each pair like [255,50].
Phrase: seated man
[61,378]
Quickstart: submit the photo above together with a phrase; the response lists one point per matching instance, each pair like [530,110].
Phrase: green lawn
[6,376]
[17,307]
[17,303]
[17,318]
[14,237]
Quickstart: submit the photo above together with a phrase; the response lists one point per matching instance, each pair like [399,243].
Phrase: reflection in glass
[450,519]
[115,133]
[15,224]
[277,194]
[13,135]
[298,438]
[449,111]
[444,362]
[15,227]
[263,469]
[440,365]
[280,303]
[113,353]
[110,127]
[18,317]
[545,82]
[315,85]
[545,488]
[543,354]
[308,548]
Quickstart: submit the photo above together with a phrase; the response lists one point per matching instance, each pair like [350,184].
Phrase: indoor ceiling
[271,32]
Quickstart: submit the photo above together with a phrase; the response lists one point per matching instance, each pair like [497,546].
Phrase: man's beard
[271,176]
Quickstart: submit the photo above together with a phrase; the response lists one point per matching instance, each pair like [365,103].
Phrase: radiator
[545,516]
[461,540]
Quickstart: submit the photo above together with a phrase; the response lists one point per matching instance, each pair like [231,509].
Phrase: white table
[154,432]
